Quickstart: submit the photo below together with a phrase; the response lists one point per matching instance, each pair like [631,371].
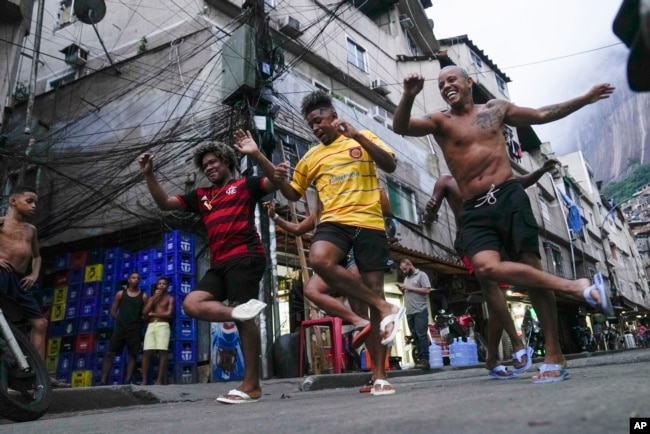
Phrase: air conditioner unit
[75,55]
[380,86]
[379,113]
[406,22]
[289,25]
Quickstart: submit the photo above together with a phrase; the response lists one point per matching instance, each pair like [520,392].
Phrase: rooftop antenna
[92,12]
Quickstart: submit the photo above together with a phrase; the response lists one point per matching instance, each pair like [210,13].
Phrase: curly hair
[222,151]
[314,100]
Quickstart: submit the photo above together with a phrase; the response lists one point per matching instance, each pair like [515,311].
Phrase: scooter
[533,335]
[585,338]
[462,327]
[25,386]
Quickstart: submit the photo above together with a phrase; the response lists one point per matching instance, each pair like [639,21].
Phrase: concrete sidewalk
[103,397]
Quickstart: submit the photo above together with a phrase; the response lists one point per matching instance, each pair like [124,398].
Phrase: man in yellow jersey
[342,168]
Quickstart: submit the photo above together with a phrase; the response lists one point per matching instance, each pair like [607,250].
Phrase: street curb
[94,398]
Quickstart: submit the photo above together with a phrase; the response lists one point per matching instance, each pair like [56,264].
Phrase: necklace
[208,203]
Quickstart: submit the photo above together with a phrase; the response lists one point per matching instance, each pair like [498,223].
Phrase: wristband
[275,217]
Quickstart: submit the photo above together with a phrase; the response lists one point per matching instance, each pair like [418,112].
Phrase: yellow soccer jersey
[346,180]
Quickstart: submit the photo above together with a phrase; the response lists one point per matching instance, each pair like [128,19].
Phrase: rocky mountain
[614,132]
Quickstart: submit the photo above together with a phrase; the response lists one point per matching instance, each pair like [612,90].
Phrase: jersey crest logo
[355,153]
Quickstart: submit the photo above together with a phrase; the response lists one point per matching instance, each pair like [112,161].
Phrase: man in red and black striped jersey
[227,209]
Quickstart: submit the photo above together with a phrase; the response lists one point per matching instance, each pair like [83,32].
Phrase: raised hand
[146,163]
[600,91]
[413,84]
[244,142]
[344,128]
[549,164]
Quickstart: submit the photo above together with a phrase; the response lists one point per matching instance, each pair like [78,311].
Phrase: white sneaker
[248,310]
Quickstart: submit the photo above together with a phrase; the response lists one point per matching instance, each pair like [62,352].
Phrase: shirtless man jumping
[496,214]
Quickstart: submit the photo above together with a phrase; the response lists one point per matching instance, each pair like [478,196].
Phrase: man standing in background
[416,288]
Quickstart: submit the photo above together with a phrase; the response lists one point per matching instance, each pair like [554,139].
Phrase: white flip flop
[395,318]
[248,310]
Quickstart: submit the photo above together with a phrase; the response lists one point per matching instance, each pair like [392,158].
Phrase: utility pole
[256,109]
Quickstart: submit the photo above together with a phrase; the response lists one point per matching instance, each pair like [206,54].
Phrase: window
[356,106]
[321,86]
[402,201]
[557,260]
[413,48]
[357,55]
[476,61]
[55,84]
[544,209]
[501,84]
[66,13]
[613,251]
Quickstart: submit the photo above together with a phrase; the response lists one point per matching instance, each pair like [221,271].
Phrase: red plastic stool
[336,331]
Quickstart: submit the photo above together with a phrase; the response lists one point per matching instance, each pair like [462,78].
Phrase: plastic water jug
[435,355]
[453,353]
[472,352]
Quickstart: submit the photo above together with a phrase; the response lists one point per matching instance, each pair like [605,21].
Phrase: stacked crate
[85,341]
[116,267]
[179,266]
[64,315]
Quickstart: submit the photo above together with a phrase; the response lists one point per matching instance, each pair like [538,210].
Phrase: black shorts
[131,336]
[10,285]
[370,245]
[236,280]
[501,221]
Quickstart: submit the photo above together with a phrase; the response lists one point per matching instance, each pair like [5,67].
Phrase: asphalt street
[604,391]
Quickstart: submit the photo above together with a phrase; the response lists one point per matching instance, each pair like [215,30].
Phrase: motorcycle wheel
[24,396]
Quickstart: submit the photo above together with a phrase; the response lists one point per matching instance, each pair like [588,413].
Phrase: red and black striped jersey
[228,214]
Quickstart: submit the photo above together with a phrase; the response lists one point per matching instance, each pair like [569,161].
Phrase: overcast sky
[558,40]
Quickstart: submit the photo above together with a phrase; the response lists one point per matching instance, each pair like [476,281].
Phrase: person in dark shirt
[126,310]
[227,209]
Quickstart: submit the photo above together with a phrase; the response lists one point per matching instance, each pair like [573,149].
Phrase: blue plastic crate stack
[80,300]
[180,267]
[118,264]
[71,352]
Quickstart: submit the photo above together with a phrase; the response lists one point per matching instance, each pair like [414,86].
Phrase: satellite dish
[90,11]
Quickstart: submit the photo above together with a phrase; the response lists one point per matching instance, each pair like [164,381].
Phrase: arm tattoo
[557,111]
